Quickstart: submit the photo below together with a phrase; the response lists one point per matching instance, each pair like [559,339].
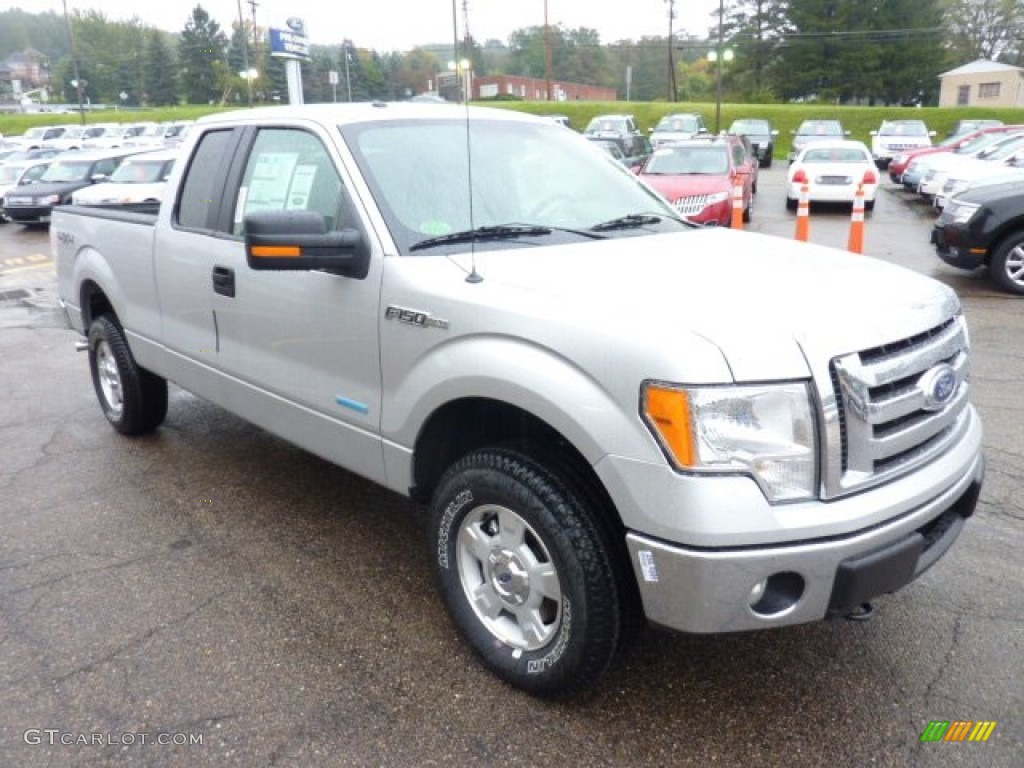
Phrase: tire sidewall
[998,265]
[546,669]
[101,331]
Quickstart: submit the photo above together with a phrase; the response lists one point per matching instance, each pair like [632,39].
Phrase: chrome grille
[898,405]
[692,205]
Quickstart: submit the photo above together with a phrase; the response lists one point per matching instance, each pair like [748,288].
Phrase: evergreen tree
[202,51]
[131,79]
[161,72]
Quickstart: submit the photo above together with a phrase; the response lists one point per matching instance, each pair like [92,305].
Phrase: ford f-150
[610,413]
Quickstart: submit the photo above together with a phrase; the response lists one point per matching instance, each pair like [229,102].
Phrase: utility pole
[547,50]
[672,96]
[74,63]
[718,69]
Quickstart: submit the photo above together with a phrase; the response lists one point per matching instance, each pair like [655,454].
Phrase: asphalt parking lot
[212,596]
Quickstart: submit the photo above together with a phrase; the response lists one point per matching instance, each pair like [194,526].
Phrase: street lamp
[464,73]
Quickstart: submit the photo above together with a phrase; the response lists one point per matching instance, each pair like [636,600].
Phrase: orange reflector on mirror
[276,251]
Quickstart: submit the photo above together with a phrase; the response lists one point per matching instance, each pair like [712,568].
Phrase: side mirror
[299,240]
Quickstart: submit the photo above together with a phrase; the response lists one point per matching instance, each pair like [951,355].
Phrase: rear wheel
[526,572]
[1007,265]
[133,399]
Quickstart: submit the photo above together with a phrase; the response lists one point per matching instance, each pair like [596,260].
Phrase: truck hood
[772,306]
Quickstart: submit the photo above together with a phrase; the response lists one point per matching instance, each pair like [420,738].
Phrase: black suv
[762,136]
[985,227]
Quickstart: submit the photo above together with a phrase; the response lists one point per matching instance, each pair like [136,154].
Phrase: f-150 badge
[414,317]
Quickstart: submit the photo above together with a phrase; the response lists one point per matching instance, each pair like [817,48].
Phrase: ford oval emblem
[938,386]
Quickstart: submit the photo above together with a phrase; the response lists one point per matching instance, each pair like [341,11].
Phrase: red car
[697,177]
[902,160]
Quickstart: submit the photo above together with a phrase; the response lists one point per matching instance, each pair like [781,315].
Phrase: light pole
[245,51]
[463,73]
[348,80]
[717,56]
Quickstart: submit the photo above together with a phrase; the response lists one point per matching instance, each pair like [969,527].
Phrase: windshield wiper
[631,221]
[498,232]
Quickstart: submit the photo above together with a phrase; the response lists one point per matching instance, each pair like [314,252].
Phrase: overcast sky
[387,25]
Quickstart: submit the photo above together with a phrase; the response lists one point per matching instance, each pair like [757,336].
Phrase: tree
[161,71]
[985,29]
[202,53]
[843,50]
[753,30]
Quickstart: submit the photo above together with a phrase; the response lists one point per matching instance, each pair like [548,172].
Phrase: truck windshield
[436,177]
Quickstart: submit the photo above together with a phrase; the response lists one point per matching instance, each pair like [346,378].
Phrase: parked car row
[30,187]
[100,135]
[978,158]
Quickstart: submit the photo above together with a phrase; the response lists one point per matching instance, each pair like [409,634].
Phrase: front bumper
[28,214]
[705,590]
[953,246]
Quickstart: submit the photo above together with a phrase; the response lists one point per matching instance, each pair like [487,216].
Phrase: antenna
[460,66]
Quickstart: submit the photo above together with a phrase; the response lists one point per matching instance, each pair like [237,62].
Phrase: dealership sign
[290,43]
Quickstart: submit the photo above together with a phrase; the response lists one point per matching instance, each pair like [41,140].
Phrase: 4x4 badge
[414,317]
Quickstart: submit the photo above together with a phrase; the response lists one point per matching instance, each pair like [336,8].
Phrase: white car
[943,166]
[138,179]
[981,173]
[20,173]
[117,135]
[833,170]
[896,136]
[159,135]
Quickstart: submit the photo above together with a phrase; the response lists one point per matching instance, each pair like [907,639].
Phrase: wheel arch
[1012,228]
[461,426]
[94,303]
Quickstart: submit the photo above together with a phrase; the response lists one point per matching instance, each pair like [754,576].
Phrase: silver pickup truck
[611,414]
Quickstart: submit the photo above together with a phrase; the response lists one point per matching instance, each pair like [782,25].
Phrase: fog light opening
[776,594]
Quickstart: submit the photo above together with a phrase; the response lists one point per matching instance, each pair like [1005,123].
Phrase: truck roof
[361,112]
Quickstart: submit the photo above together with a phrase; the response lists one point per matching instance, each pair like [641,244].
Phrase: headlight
[717,197]
[766,431]
[49,200]
[959,213]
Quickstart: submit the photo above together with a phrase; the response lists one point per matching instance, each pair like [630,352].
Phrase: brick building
[532,89]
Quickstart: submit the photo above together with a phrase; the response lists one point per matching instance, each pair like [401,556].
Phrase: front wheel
[526,572]
[133,399]
[1007,267]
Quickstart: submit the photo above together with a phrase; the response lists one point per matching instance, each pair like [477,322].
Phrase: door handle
[224,281]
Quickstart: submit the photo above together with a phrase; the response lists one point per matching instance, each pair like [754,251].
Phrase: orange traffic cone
[737,203]
[803,215]
[856,241]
